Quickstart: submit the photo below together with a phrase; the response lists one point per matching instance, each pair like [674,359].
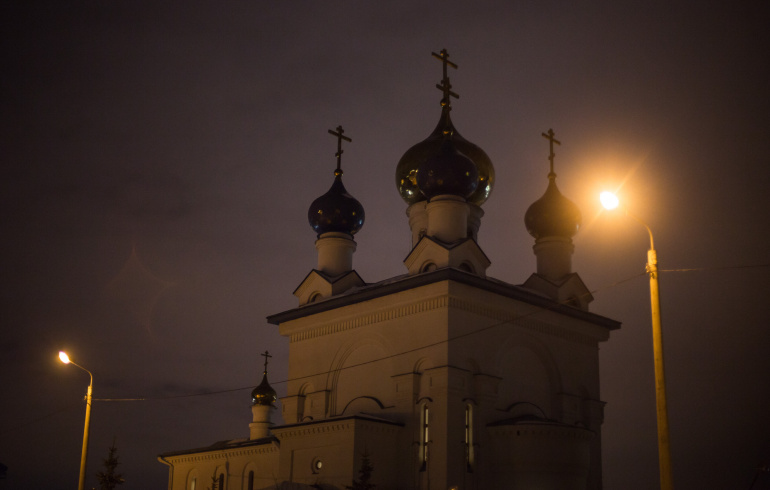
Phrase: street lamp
[610,201]
[84,454]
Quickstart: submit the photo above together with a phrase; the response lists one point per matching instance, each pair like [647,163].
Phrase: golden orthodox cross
[445,86]
[551,140]
[340,137]
[266,355]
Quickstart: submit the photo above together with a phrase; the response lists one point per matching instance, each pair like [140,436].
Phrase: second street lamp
[84,454]
[610,201]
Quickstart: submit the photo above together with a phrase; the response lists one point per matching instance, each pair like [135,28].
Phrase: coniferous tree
[217,482]
[108,479]
[364,475]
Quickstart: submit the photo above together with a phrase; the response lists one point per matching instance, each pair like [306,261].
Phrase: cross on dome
[340,137]
[445,86]
[551,140]
[266,355]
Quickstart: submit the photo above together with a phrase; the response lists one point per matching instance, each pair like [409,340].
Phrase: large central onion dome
[448,172]
[408,167]
[336,211]
[553,215]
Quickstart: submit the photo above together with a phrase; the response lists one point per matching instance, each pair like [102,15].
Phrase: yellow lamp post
[610,201]
[84,454]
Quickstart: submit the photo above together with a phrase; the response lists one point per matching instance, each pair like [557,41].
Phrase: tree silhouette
[364,475]
[217,483]
[108,479]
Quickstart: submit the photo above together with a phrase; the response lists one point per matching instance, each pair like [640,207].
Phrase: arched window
[467,267]
[424,435]
[428,267]
[470,458]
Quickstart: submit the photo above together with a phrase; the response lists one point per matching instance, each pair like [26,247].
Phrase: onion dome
[448,172]
[264,394]
[336,210]
[407,181]
[553,215]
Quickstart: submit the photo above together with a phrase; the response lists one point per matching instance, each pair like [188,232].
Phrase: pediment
[571,291]
[317,286]
[430,254]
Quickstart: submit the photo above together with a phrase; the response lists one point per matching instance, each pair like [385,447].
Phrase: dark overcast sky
[158,160]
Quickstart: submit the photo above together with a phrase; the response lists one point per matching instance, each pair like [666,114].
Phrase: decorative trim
[378,317]
[328,426]
[444,301]
[406,283]
[223,454]
[544,430]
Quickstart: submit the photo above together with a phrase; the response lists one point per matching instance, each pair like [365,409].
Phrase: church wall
[234,463]
[546,365]
[325,349]
[507,359]
[539,455]
[330,452]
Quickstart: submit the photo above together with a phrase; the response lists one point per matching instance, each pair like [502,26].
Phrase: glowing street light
[610,201]
[84,454]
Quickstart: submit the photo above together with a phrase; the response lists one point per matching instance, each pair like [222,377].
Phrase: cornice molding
[331,426]
[406,283]
[443,301]
[222,454]
[542,430]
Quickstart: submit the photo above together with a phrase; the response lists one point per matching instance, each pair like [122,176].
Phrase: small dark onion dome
[264,394]
[408,166]
[448,172]
[553,215]
[336,210]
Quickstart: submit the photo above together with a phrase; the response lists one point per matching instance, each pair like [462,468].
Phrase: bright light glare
[609,200]
[64,357]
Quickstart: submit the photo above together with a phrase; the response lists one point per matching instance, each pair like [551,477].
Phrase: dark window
[424,435]
[469,449]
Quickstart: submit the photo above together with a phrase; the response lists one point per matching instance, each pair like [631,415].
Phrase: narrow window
[251,480]
[424,436]
[221,485]
[469,450]
[192,483]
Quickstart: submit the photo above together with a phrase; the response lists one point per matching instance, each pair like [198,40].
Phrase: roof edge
[378,290]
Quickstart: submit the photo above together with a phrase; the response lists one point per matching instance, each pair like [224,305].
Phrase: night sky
[158,160]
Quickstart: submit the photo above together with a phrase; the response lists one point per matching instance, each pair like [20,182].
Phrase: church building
[440,378]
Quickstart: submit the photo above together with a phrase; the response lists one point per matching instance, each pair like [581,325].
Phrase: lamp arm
[637,218]
[86,370]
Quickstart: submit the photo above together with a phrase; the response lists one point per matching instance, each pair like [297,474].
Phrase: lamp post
[610,201]
[84,454]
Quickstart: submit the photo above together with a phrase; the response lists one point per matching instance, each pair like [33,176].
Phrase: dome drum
[335,253]
[554,257]
[447,218]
